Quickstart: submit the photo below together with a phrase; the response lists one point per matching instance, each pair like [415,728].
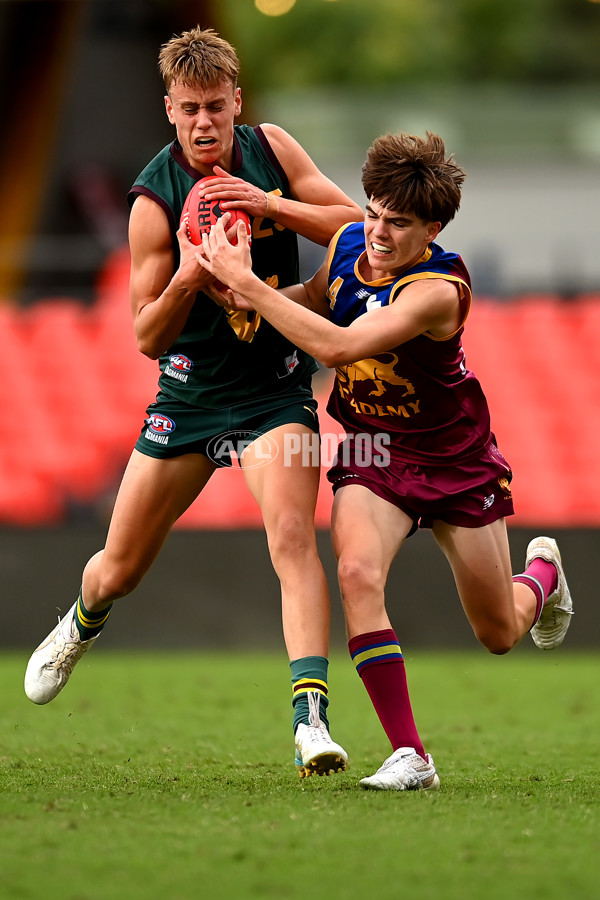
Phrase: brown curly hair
[411,174]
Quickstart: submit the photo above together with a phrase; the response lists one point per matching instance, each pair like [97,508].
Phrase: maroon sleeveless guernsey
[421,392]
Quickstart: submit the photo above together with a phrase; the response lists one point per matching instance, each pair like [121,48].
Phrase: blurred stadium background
[512,88]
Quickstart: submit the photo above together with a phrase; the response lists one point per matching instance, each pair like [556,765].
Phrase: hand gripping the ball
[228,260]
[200,214]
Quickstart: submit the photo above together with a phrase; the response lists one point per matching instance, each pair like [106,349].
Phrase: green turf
[170,776]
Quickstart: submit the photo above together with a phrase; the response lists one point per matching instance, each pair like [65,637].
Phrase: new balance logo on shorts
[488,501]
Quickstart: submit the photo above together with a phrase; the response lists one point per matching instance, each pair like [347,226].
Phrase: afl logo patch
[160,424]
[181,363]
[231,444]
[179,367]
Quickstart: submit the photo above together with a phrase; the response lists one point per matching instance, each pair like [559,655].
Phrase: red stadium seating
[539,363]
[78,389]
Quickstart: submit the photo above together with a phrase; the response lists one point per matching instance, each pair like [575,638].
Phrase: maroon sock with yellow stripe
[379,662]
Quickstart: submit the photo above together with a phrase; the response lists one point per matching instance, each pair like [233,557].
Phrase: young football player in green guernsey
[223,373]
[387,309]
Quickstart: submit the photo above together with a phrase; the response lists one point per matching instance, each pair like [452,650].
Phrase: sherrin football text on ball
[202,214]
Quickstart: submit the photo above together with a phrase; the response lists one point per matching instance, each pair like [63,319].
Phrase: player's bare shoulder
[286,148]
[307,182]
[149,227]
[435,302]
[278,137]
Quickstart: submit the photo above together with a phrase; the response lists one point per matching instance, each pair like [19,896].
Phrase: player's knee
[358,578]
[292,536]
[117,582]
[499,649]
[497,641]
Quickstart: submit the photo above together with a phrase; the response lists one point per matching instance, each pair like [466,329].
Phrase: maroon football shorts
[471,494]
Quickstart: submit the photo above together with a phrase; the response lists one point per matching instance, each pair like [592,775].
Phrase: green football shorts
[172,428]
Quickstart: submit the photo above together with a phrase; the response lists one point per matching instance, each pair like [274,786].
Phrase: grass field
[171,776]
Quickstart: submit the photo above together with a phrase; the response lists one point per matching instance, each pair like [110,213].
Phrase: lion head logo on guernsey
[379,371]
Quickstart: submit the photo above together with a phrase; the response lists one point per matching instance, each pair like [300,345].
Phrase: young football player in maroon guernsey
[387,310]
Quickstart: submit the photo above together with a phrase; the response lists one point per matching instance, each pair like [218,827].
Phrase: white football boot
[404,770]
[316,753]
[53,661]
[550,629]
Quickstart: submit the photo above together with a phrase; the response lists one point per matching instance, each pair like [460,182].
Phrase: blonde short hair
[198,57]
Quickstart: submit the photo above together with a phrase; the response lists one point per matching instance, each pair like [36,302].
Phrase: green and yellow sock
[309,675]
[89,624]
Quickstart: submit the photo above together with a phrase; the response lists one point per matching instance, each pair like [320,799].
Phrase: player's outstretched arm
[430,305]
[318,208]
